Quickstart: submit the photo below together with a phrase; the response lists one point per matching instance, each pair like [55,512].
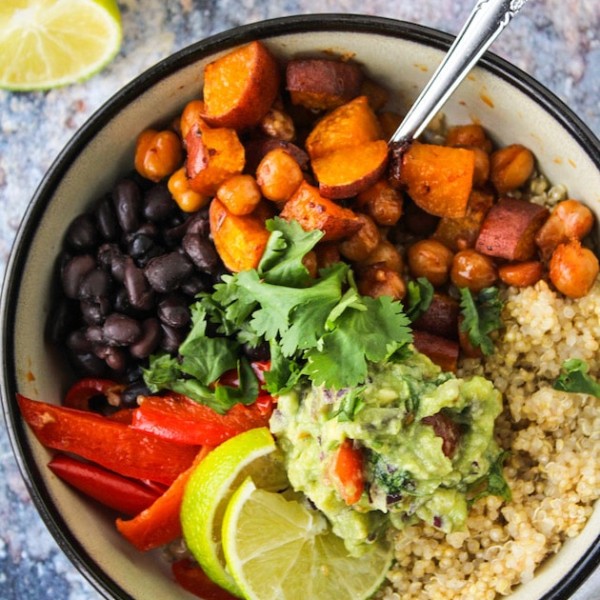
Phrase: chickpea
[521,274]
[187,199]
[570,219]
[191,115]
[472,135]
[573,269]
[472,270]
[278,175]
[481,173]
[385,254]
[382,203]
[418,221]
[157,154]
[430,259]
[278,124]
[359,245]
[511,167]
[377,280]
[240,194]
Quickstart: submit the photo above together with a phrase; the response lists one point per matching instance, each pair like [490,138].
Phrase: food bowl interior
[402,57]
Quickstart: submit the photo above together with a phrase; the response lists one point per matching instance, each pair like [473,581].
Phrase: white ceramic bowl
[505,100]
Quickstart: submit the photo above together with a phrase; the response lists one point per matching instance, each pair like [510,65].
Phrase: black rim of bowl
[222,41]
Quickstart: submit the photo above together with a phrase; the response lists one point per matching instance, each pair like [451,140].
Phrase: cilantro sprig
[482,316]
[320,329]
[419,297]
[574,377]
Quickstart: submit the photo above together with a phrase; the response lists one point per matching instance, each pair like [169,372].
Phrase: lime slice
[49,43]
[210,487]
[279,549]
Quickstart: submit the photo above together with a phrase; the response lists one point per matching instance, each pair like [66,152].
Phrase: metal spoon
[485,23]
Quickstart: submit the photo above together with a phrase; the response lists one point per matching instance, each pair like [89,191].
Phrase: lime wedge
[279,549]
[49,43]
[210,488]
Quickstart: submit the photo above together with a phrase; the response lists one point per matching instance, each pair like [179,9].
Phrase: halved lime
[277,549]
[210,488]
[49,43]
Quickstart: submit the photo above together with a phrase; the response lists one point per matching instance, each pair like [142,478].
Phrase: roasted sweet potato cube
[441,351]
[239,240]
[312,211]
[240,87]
[458,234]
[438,179]
[350,170]
[322,84]
[214,155]
[441,317]
[351,124]
[509,229]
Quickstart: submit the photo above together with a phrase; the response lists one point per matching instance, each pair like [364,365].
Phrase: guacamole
[424,436]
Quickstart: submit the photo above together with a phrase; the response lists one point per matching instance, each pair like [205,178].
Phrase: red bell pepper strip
[124,495]
[81,392]
[193,579]
[181,420]
[111,444]
[160,524]
[348,472]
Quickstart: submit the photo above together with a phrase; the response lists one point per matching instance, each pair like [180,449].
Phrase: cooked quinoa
[553,467]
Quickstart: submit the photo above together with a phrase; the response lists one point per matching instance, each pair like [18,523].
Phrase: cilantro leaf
[288,244]
[350,405]
[419,297]
[246,392]
[574,378]
[366,329]
[284,372]
[481,316]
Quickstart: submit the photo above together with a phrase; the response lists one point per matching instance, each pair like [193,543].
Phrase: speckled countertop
[556,41]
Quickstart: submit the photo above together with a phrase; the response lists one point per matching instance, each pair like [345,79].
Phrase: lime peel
[276,548]
[50,43]
[210,487]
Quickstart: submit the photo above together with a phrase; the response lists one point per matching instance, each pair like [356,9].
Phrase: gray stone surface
[556,41]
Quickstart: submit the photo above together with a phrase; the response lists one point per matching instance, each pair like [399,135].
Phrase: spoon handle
[486,21]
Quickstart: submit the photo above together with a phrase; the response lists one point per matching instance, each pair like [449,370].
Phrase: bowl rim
[271,28]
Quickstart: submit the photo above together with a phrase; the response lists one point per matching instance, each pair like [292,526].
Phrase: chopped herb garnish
[419,297]
[320,328]
[492,483]
[481,316]
[574,377]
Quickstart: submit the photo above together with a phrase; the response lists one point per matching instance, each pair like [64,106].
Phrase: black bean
[95,311]
[95,334]
[195,284]
[78,342]
[63,319]
[128,204]
[158,204]
[88,363]
[130,394]
[171,338]
[95,284]
[173,310]
[135,373]
[201,251]
[140,245]
[82,234]
[166,273]
[73,273]
[106,219]
[139,292]
[198,223]
[121,330]
[114,358]
[147,344]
